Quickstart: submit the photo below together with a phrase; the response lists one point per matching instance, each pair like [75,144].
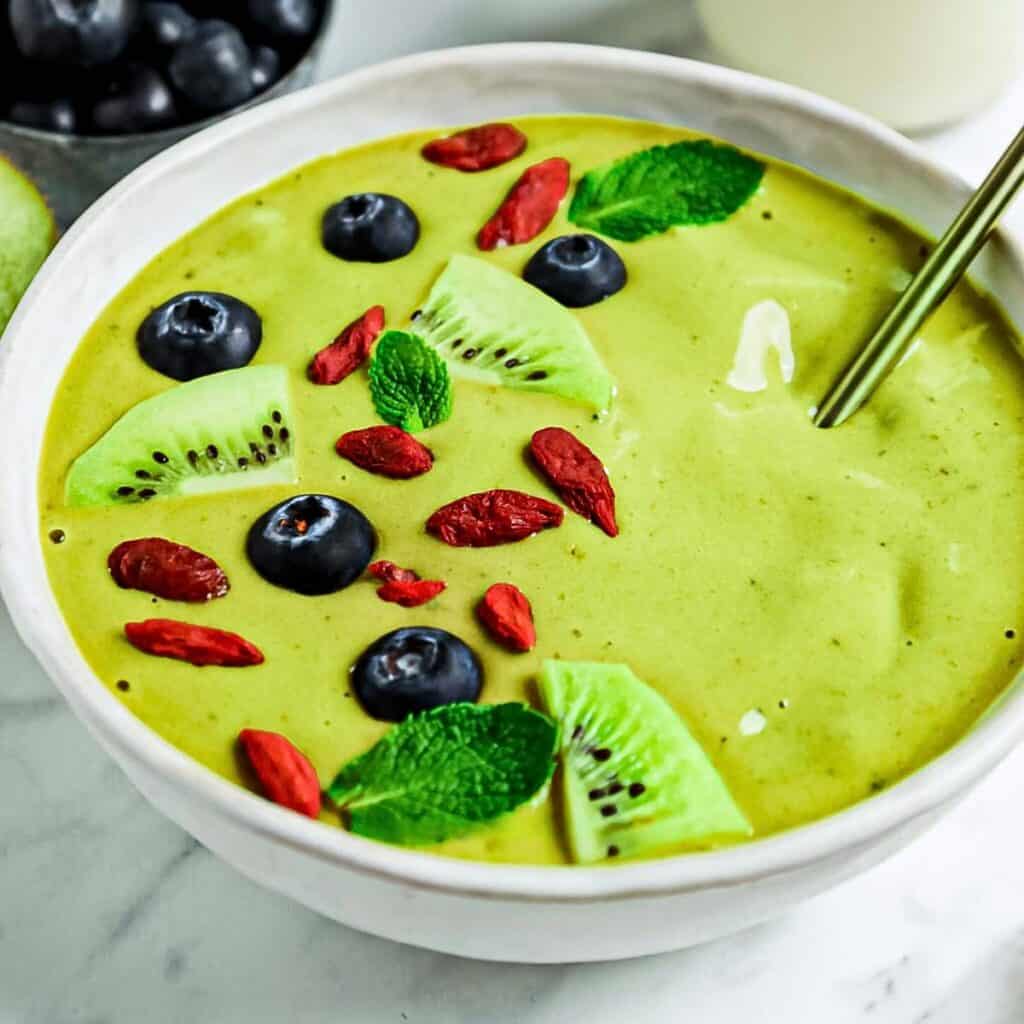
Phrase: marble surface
[111,915]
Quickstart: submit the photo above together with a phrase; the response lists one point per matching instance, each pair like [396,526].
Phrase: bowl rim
[846,832]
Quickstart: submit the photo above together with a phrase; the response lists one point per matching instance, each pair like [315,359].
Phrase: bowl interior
[186,184]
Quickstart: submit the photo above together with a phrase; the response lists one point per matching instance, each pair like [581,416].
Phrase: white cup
[915,64]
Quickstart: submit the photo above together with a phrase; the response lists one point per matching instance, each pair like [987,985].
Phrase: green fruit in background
[27,234]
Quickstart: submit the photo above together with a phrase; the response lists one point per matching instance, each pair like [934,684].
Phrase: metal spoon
[927,289]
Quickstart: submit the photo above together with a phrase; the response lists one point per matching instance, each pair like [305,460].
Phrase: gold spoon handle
[926,290]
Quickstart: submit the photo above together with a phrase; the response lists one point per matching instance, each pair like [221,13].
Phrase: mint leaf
[444,772]
[645,193]
[409,382]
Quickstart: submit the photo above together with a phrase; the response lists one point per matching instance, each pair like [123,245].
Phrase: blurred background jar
[366,31]
[915,64]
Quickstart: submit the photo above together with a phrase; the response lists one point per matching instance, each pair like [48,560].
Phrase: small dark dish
[76,131]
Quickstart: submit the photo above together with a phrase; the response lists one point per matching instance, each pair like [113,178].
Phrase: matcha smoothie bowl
[426,512]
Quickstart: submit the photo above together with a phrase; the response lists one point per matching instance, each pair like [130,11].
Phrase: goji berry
[388,572]
[349,350]
[199,645]
[168,570]
[477,149]
[410,593]
[493,517]
[388,451]
[508,617]
[284,772]
[529,207]
[578,476]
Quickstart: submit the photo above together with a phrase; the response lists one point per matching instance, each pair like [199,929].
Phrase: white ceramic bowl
[479,910]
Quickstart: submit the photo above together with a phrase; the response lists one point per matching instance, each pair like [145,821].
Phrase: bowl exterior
[479,910]
[541,931]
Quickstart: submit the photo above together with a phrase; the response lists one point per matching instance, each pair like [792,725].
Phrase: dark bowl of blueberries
[90,89]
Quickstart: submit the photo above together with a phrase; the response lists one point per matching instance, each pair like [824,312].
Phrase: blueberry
[167,24]
[83,32]
[266,68]
[370,228]
[53,116]
[138,101]
[415,669]
[312,544]
[212,68]
[8,51]
[293,19]
[197,333]
[577,270]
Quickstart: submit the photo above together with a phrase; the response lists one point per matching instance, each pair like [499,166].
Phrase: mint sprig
[646,193]
[445,772]
[409,382]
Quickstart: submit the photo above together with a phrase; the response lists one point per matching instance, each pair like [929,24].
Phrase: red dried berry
[388,572]
[388,451]
[199,645]
[508,617]
[410,593]
[168,570]
[344,355]
[529,207]
[493,517]
[578,476]
[477,149]
[284,772]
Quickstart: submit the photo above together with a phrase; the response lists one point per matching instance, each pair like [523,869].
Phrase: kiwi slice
[222,432]
[27,233]
[634,778]
[490,326]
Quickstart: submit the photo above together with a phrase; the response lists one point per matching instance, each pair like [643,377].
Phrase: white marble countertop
[109,914]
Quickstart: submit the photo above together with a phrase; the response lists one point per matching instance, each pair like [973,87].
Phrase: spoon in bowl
[927,289]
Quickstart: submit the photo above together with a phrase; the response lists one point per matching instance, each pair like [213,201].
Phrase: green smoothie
[826,610]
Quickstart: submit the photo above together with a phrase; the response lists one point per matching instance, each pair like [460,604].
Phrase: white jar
[915,64]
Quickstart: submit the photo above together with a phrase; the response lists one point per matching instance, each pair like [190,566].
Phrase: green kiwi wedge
[490,326]
[27,234]
[634,779]
[227,431]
